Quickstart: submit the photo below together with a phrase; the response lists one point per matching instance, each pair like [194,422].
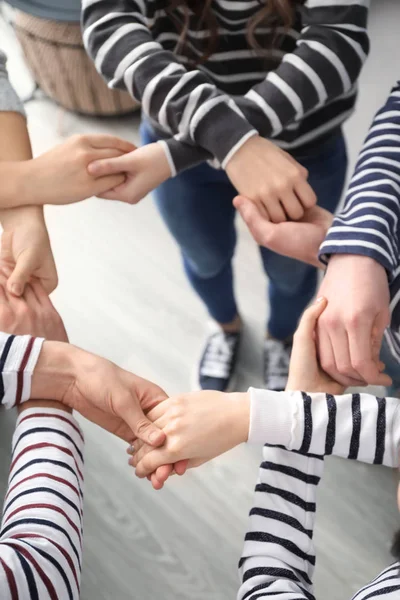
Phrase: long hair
[272,14]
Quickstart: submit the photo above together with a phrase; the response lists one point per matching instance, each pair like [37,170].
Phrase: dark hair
[273,13]
[396,546]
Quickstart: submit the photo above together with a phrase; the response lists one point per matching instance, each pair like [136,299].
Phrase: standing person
[217,82]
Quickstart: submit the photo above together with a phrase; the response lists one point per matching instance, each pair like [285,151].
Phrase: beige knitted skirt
[60,66]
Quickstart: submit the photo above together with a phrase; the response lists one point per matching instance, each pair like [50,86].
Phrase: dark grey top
[55,10]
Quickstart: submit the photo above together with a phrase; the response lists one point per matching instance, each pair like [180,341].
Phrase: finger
[275,210]
[327,357]
[157,485]
[362,355]
[111,141]
[261,229]
[31,299]
[131,412]
[138,454]
[341,350]
[42,296]
[164,472]
[21,274]
[109,166]
[109,183]
[3,297]
[293,207]
[310,318]
[181,467]
[151,462]
[305,194]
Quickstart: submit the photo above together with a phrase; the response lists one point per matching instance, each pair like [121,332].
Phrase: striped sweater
[370,220]
[41,531]
[278,559]
[302,90]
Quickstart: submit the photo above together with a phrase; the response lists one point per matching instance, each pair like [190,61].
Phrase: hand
[145,169]
[198,426]
[297,239]
[32,314]
[305,373]
[272,179]
[102,392]
[60,176]
[351,329]
[26,250]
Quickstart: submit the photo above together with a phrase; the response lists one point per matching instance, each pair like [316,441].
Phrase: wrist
[25,215]
[240,416]
[39,404]
[55,370]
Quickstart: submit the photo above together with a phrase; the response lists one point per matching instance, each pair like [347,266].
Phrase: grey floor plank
[122,294]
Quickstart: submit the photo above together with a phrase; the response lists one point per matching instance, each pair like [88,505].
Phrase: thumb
[141,426]
[110,166]
[309,319]
[21,274]
[259,225]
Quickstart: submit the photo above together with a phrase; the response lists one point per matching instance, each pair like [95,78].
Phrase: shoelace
[277,359]
[218,356]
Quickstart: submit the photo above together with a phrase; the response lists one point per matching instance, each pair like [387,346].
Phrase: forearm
[184,103]
[41,533]
[368,225]
[279,555]
[354,426]
[15,167]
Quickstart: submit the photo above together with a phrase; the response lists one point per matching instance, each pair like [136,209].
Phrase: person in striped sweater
[361,250]
[298,429]
[234,84]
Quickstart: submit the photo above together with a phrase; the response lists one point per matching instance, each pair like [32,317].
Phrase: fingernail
[154,436]
[16,289]
[319,299]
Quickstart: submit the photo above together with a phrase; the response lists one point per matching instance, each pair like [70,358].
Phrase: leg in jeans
[196,206]
[292,284]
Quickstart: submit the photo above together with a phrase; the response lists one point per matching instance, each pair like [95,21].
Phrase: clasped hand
[98,389]
[203,425]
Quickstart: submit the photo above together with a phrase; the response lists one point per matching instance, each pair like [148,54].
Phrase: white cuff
[19,357]
[271,418]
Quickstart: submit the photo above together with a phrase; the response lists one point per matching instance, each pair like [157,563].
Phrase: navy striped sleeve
[368,225]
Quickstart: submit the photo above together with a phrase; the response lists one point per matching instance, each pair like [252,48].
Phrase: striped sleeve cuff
[18,357]
[221,128]
[335,243]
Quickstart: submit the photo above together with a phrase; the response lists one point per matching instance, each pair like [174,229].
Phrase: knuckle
[142,425]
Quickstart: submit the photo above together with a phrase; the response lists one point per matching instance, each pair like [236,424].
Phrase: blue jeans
[196,206]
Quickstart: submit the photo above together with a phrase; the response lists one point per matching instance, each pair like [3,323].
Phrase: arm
[330,52]
[354,426]
[325,65]
[362,249]
[368,225]
[278,557]
[41,531]
[185,103]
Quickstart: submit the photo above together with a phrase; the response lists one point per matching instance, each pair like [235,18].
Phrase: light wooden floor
[123,295]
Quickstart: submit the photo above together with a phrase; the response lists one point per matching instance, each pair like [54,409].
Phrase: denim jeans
[196,206]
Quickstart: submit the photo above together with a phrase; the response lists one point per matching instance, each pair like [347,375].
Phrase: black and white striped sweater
[211,110]
[278,559]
